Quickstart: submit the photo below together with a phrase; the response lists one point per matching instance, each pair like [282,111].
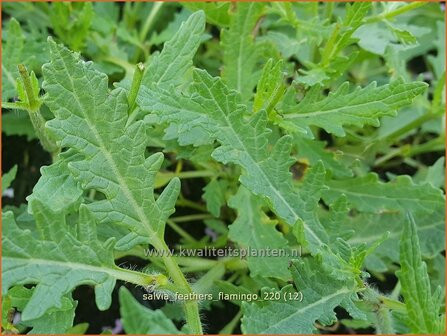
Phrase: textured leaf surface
[421,305]
[92,122]
[368,194]
[240,54]
[321,294]
[213,111]
[17,48]
[169,66]
[253,229]
[54,321]
[214,195]
[138,319]
[12,51]
[270,87]
[57,187]
[314,151]
[362,106]
[368,228]
[57,261]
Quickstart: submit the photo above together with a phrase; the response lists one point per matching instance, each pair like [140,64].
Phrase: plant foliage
[307,137]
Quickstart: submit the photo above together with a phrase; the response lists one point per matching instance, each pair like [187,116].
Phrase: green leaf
[270,88]
[138,319]
[297,314]
[17,123]
[435,174]
[12,55]
[367,228]
[217,13]
[314,151]
[214,195]
[8,177]
[57,259]
[423,307]
[253,229]
[111,154]
[369,194]
[240,52]
[54,321]
[212,111]
[168,67]
[362,106]
[71,22]
[57,187]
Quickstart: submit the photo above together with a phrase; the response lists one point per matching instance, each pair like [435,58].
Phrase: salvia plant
[313,131]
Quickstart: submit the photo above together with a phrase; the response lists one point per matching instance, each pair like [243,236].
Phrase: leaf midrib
[102,148]
[265,177]
[114,272]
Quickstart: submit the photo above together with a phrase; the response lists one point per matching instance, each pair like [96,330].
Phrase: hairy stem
[191,307]
[33,108]
[384,321]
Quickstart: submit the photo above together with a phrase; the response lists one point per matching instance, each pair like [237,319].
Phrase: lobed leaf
[92,122]
[421,305]
[212,111]
[296,314]
[362,106]
[368,194]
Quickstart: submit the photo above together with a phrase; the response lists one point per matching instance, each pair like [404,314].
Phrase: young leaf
[92,121]
[138,319]
[169,66]
[217,13]
[363,106]
[71,22]
[8,177]
[57,260]
[240,53]
[295,313]
[368,194]
[270,88]
[13,53]
[422,306]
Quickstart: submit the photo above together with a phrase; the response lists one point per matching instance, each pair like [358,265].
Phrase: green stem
[229,328]
[180,231]
[434,145]
[384,321]
[412,125]
[150,20]
[392,14]
[135,87]
[191,307]
[138,278]
[190,204]
[33,101]
[191,218]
